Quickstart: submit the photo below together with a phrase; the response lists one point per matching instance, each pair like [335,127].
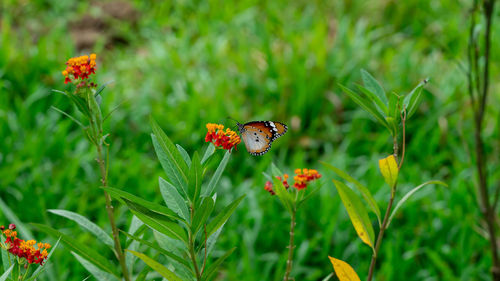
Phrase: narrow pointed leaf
[159,249]
[81,249]
[94,270]
[360,187]
[212,269]
[120,195]
[367,105]
[202,213]
[157,221]
[5,275]
[343,270]
[410,193]
[216,177]
[373,85]
[195,178]
[379,104]
[184,154]
[86,224]
[208,152]
[283,195]
[170,158]
[173,199]
[162,270]
[223,216]
[13,218]
[389,169]
[413,99]
[357,213]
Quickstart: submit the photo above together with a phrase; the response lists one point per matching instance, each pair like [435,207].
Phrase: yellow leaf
[357,213]
[343,270]
[389,169]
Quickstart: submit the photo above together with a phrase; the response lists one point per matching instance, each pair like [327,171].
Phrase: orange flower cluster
[22,248]
[80,68]
[301,178]
[304,176]
[226,139]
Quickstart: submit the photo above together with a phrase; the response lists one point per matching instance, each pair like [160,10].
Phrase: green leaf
[373,85]
[5,275]
[68,115]
[95,111]
[173,199]
[212,269]
[367,105]
[162,270]
[170,158]
[413,99]
[361,188]
[81,249]
[158,221]
[120,195]
[201,214]
[393,110]
[86,224]
[160,250]
[389,169]
[223,216]
[357,213]
[195,178]
[136,226]
[215,178]
[309,195]
[184,154]
[102,88]
[5,258]
[381,107]
[410,193]
[284,196]
[94,270]
[208,152]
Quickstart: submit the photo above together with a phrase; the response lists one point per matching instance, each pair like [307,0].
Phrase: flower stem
[379,238]
[290,247]
[192,254]
[109,208]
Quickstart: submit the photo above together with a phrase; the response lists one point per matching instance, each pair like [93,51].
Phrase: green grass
[191,63]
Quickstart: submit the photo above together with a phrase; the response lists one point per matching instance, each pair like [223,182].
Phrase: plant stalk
[479,106]
[193,257]
[290,247]
[109,208]
[379,238]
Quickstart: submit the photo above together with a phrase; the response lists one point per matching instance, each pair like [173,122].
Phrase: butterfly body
[259,135]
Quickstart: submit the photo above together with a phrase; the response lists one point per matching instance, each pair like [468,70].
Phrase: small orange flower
[78,70]
[25,249]
[304,176]
[225,139]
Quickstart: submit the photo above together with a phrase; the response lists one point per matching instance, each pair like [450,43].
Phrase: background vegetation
[188,63]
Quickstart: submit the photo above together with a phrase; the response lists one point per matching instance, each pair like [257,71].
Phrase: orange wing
[273,129]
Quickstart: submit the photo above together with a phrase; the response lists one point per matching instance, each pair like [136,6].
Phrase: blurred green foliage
[188,63]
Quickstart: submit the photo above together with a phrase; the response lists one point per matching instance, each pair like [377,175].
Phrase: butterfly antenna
[235,127]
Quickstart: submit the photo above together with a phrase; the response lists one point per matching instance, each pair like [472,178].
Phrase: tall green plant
[392,111]
[186,227]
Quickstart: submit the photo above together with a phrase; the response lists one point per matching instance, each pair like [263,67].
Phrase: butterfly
[259,135]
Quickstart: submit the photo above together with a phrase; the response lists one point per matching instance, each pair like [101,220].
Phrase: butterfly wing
[256,141]
[273,129]
[259,135]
